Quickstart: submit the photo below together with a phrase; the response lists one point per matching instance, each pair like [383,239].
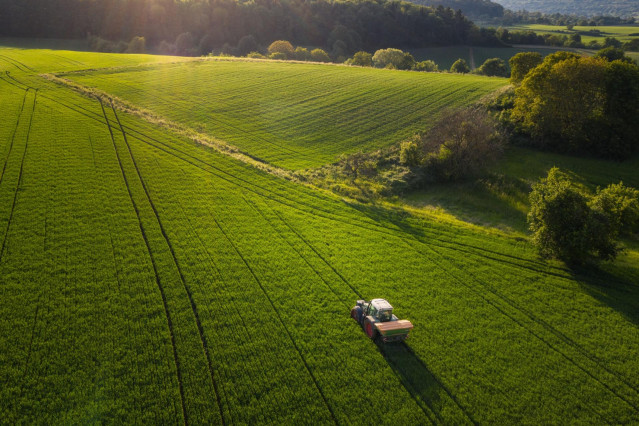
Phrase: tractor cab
[380,309]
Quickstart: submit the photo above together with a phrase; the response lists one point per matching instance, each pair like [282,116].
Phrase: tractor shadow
[430,394]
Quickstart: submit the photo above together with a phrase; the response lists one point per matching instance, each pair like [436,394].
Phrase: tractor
[377,319]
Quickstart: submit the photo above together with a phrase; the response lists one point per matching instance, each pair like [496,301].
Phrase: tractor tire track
[15,196]
[155,270]
[281,321]
[527,329]
[404,345]
[445,244]
[281,235]
[187,289]
[13,135]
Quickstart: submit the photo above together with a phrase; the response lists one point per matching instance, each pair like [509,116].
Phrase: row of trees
[570,39]
[200,26]
[576,104]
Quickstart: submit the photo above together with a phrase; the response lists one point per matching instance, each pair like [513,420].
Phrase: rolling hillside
[292,115]
[148,278]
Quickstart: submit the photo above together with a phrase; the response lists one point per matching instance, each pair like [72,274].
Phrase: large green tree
[578,104]
[563,224]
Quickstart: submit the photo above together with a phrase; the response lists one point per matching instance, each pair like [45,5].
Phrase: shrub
[384,57]
[410,154]
[282,46]
[563,224]
[256,55]
[278,55]
[460,66]
[620,204]
[137,45]
[613,54]
[426,66]
[462,144]
[493,67]
[302,54]
[318,55]
[362,59]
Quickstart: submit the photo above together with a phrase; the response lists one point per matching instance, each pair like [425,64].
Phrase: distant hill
[623,8]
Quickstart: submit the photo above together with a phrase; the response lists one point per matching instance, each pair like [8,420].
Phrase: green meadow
[622,33]
[147,278]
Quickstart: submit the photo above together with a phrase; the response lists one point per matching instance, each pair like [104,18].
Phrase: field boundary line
[219,145]
[196,315]
[157,277]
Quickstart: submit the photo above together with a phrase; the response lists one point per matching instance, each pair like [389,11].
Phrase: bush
[563,224]
[362,59]
[282,46]
[256,55]
[278,55]
[384,57]
[426,66]
[302,54]
[460,66]
[493,67]
[318,55]
[620,204]
[461,144]
[136,45]
[613,54]
[410,153]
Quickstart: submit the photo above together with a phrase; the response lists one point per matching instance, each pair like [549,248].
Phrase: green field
[148,279]
[622,33]
[292,115]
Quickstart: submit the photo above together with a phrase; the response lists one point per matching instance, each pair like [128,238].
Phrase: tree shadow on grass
[616,287]
[431,395]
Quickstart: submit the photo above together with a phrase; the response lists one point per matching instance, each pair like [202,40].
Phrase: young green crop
[292,115]
[146,278]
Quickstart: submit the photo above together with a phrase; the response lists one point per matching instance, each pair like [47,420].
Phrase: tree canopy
[577,104]
[350,26]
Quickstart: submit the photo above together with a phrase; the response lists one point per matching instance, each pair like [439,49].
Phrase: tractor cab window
[385,315]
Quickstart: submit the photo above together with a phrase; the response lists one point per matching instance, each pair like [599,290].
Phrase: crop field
[292,115]
[147,278]
[620,32]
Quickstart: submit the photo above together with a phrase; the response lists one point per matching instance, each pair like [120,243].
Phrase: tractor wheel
[370,330]
[356,313]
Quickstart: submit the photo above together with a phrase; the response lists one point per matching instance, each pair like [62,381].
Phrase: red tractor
[377,319]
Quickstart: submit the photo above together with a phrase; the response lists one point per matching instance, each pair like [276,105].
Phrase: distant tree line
[510,17]
[199,26]
[588,8]
[568,38]
[474,9]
